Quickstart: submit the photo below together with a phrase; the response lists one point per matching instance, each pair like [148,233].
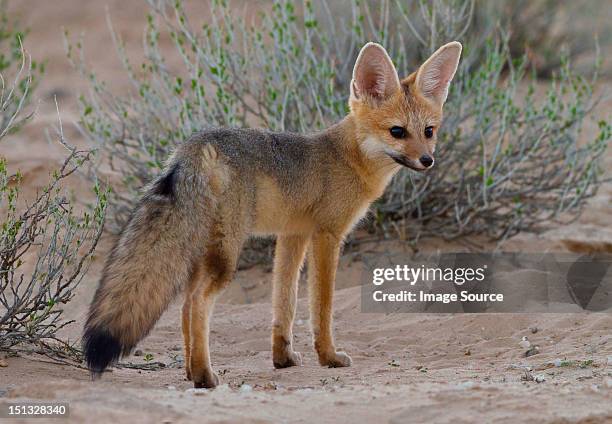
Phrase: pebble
[245,388]
[271,385]
[539,378]
[534,330]
[138,352]
[3,363]
[524,343]
[172,388]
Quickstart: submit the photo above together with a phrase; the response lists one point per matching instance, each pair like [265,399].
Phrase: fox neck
[372,166]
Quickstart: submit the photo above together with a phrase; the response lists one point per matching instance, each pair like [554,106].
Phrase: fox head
[399,119]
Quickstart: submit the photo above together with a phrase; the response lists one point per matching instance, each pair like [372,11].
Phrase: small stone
[467,352]
[527,376]
[3,363]
[176,348]
[557,362]
[271,385]
[534,330]
[245,388]
[533,351]
[524,343]
[138,352]
[172,388]
[539,378]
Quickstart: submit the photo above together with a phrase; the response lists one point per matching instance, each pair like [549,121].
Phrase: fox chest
[343,207]
[334,207]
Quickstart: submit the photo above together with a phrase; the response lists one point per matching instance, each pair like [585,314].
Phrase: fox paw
[336,360]
[209,380]
[288,359]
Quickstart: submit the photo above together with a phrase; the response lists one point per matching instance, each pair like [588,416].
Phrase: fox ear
[434,76]
[374,74]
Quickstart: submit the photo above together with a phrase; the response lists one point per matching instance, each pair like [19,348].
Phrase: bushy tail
[151,262]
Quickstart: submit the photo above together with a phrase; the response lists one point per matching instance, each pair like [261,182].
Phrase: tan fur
[307,190]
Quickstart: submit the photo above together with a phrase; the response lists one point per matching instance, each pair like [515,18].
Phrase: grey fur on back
[290,159]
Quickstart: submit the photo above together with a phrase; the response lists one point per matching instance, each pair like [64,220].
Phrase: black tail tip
[101,350]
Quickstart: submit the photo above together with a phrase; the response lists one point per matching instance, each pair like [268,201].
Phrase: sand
[406,367]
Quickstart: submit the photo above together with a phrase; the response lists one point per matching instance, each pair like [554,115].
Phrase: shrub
[539,29]
[507,162]
[45,245]
[45,248]
[18,77]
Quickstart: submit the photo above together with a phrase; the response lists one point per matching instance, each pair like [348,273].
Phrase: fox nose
[426,160]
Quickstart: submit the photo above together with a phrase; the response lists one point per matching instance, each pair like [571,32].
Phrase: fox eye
[398,132]
[428,132]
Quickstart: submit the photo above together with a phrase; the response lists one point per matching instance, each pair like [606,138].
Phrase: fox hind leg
[288,260]
[195,281]
[200,369]
[218,267]
[186,324]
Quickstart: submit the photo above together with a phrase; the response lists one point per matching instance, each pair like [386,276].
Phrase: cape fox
[222,185]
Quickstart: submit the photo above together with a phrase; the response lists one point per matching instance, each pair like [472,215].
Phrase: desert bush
[45,244]
[538,30]
[17,78]
[509,157]
[45,248]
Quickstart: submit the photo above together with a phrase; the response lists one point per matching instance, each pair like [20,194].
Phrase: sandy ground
[407,367]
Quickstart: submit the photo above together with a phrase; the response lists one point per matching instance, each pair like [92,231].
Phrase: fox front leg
[186,327]
[323,261]
[288,259]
